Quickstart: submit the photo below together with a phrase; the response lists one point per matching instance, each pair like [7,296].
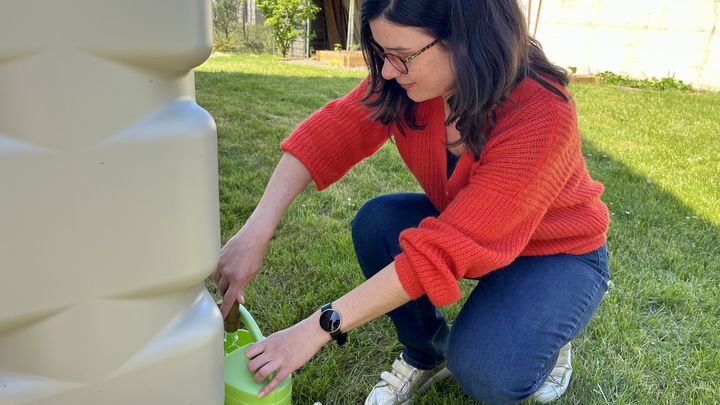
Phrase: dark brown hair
[491,51]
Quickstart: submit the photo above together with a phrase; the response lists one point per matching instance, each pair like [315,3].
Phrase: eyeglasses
[398,62]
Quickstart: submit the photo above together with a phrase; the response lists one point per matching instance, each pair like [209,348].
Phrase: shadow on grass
[654,338]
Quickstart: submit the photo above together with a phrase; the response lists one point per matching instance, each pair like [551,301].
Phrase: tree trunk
[244,4]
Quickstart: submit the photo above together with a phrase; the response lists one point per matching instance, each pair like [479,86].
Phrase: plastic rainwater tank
[108,206]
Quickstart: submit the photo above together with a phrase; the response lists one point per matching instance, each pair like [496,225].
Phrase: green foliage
[257,39]
[225,23]
[337,47]
[225,43]
[666,83]
[286,17]
[232,36]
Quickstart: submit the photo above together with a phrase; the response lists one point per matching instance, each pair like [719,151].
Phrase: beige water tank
[108,205]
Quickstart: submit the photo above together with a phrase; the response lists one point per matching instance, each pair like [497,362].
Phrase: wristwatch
[330,322]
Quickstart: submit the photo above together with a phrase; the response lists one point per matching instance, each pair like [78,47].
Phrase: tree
[286,18]
[225,18]
[244,5]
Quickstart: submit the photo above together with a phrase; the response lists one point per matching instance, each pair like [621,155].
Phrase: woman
[483,121]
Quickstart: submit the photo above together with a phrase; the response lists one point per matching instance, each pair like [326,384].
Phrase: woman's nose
[389,71]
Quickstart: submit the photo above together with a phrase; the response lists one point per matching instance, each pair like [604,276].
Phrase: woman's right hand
[240,261]
[242,255]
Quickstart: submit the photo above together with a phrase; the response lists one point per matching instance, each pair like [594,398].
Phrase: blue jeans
[506,338]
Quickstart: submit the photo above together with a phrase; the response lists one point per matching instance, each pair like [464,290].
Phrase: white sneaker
[558,380]
[404,381]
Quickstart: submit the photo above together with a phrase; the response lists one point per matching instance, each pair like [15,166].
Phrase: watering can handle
[250,323]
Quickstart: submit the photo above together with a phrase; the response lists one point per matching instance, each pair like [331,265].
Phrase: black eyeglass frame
[390,57]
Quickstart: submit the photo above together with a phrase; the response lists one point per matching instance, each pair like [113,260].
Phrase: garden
[654,339]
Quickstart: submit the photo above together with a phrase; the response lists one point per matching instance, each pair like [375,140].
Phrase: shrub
[257,39]
[666,83]
[287,17]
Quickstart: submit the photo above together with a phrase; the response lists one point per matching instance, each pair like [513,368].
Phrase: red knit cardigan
[529,194]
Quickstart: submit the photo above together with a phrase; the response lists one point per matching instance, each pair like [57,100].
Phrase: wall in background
[639,38]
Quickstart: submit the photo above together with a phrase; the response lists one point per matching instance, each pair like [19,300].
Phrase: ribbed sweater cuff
[408,278]
[304,154]
[414,288]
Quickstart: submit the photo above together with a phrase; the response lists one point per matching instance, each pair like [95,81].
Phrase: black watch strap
[330,322]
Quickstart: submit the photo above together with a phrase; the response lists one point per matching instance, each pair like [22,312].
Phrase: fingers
[279,377]
[217,274]
[237,265]
[262,362]
[222,265]
[228,300]
[223,285]
[264,367]
[253,351]
[267,370]
[278,355]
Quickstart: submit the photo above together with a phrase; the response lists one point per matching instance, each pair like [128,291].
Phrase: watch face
[330,320]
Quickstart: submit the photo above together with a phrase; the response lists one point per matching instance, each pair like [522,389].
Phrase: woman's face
[429,75]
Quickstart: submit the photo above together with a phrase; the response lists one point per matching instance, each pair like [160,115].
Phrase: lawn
[655,338]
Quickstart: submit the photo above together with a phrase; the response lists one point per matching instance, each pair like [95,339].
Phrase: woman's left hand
[285,351]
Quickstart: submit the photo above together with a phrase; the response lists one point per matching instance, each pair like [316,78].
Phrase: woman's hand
[242,255]
[286,351]
[240,261]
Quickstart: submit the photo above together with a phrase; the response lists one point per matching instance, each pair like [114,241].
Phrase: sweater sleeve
[521,170]
[336,138]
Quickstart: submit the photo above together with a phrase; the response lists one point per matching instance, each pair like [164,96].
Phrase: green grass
[655,338]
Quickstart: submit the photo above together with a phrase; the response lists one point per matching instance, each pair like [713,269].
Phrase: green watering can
[240,385]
